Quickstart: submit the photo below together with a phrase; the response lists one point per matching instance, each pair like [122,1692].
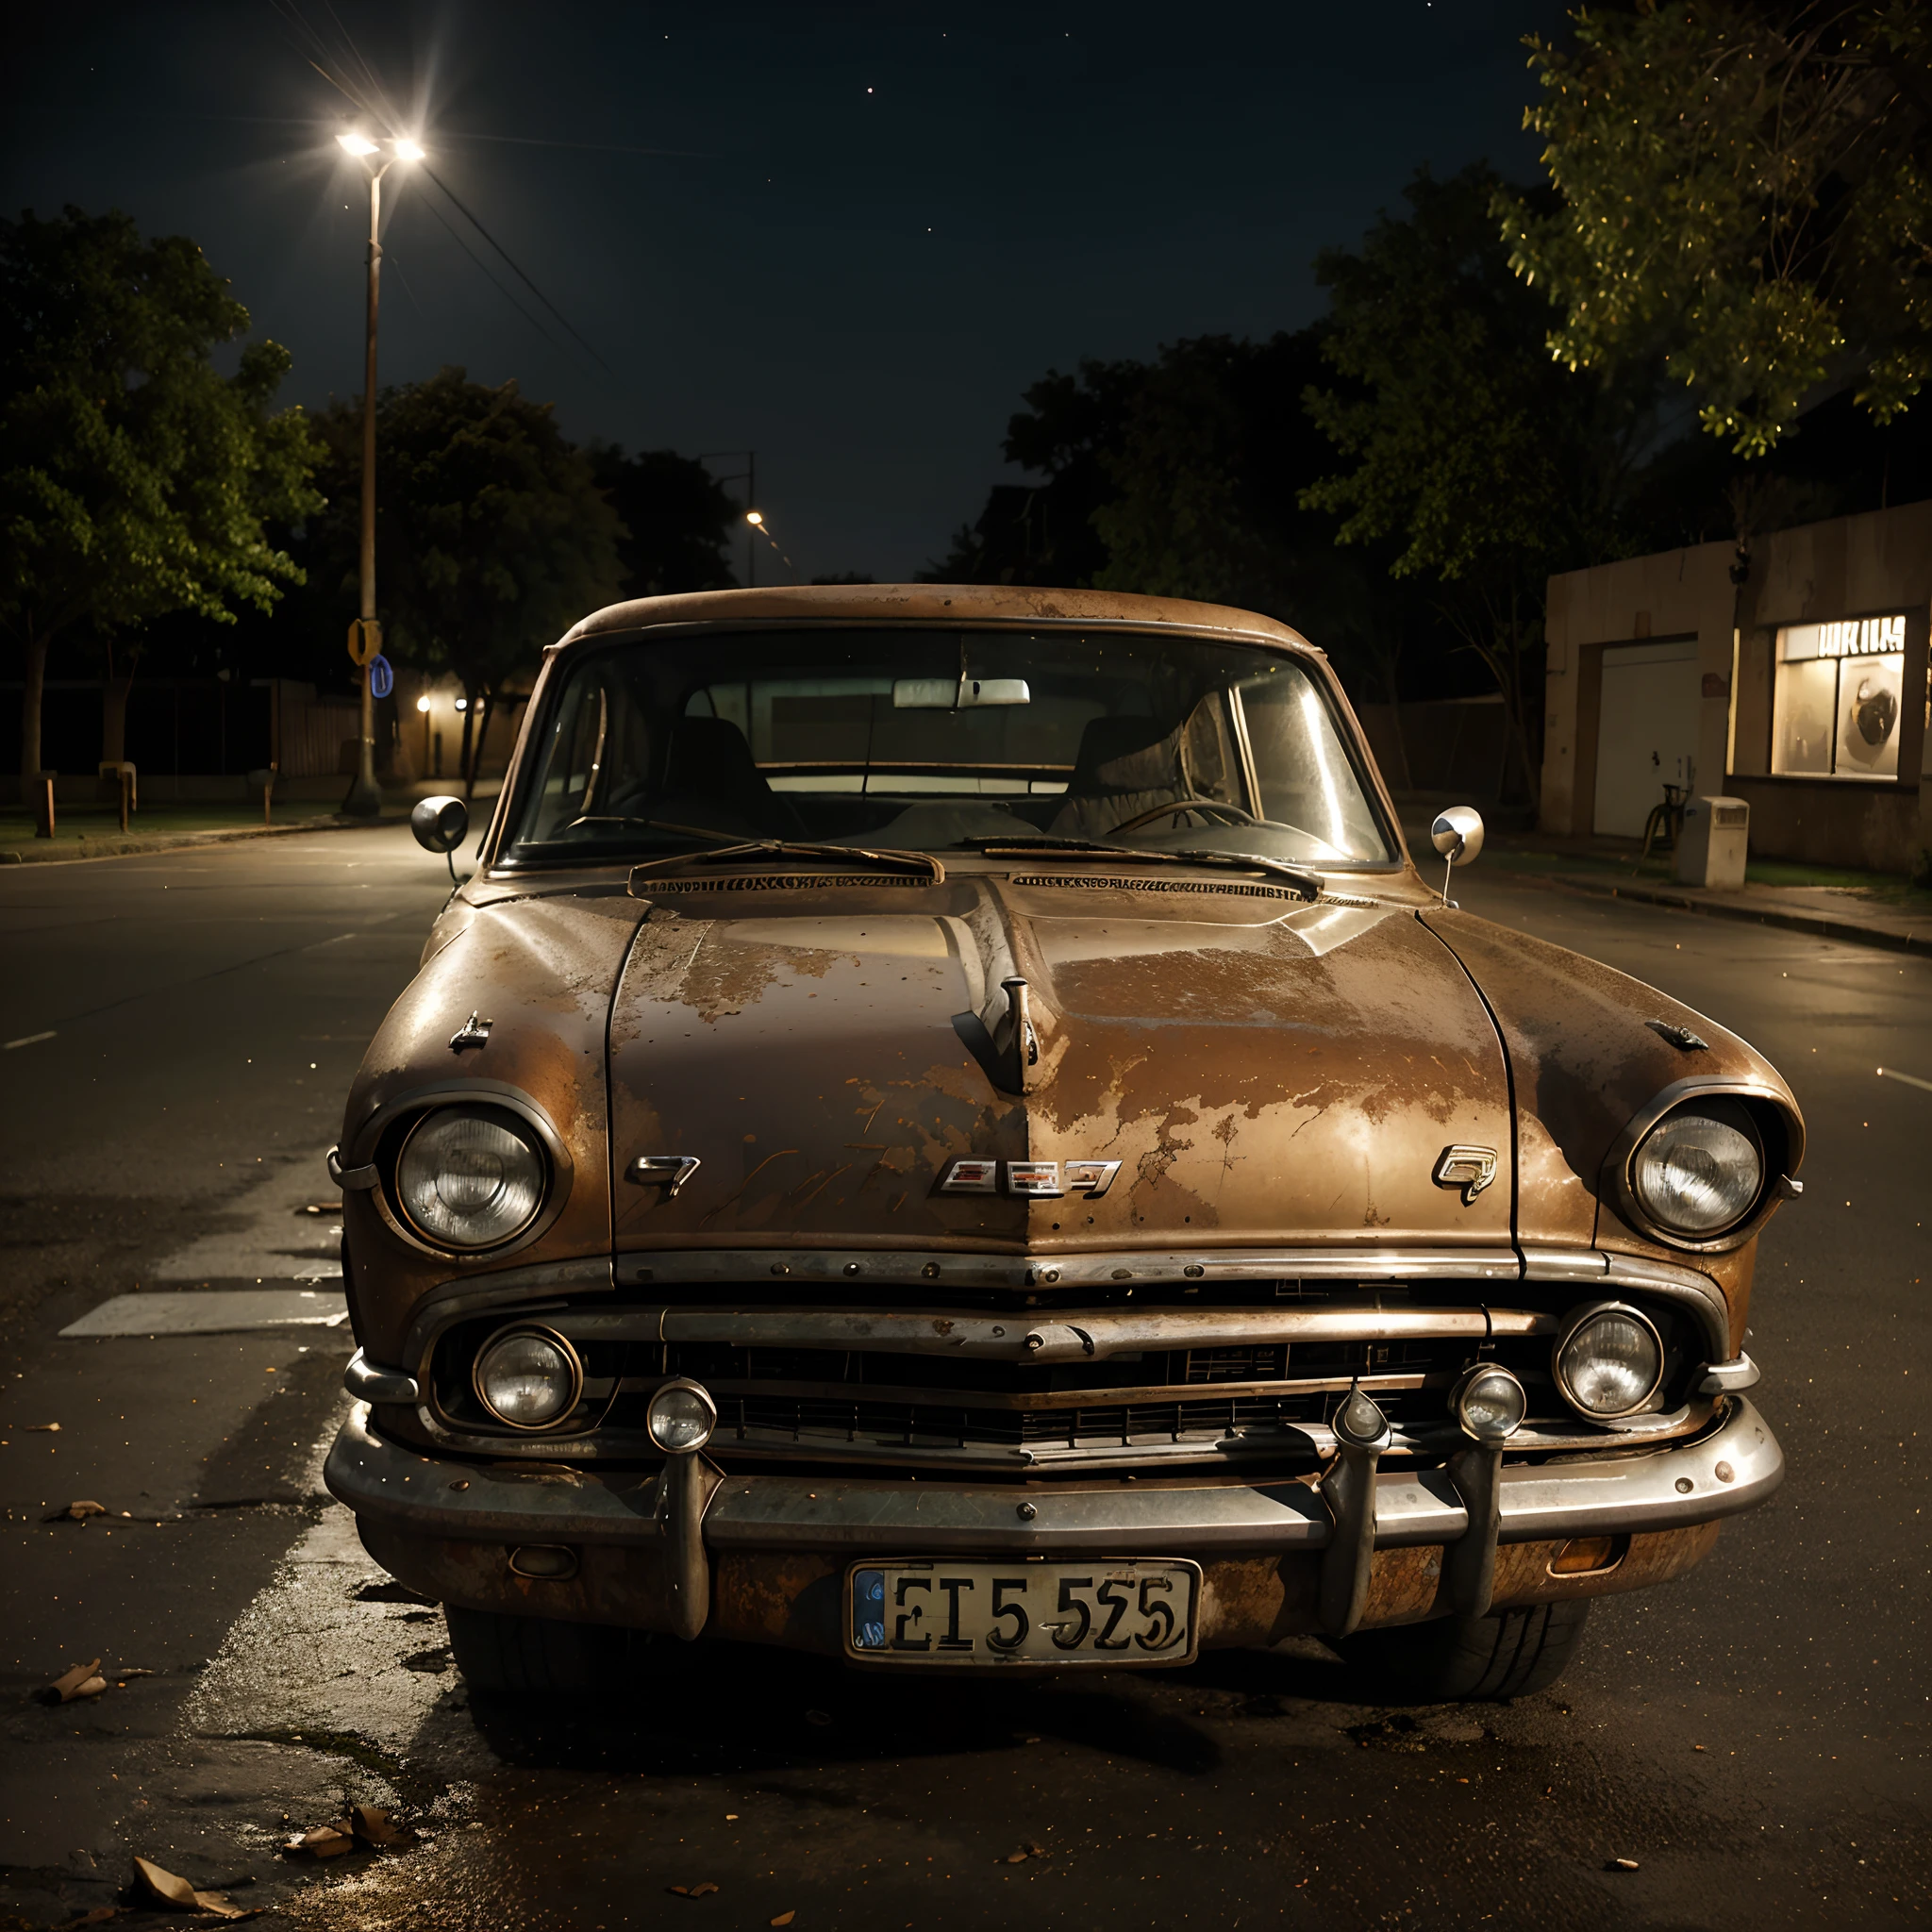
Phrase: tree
[678,519]
[135,479]
[493,536]
[1746,187]
[1486,464]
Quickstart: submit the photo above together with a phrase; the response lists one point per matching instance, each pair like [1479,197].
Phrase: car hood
[1264,1071]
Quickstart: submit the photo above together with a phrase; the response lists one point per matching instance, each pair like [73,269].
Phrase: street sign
[382,680]
[365,639]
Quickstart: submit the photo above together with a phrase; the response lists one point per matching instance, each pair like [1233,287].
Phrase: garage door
[1647,731]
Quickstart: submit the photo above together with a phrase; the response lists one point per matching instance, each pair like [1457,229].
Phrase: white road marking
[269,1238]
[213,1312]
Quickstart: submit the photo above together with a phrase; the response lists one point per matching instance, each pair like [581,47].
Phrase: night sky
[847,236]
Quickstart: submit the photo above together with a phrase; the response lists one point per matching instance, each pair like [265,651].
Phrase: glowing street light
[756,520]
[365,798]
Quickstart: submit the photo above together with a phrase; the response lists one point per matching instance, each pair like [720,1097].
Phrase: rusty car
[947,1130]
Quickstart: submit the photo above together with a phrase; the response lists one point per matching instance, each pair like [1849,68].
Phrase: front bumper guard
[691,1508]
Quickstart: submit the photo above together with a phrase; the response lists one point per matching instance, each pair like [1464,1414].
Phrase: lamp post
[364,799]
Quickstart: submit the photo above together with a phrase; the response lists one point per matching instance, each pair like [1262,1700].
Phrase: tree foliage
[1746,186]
[1485,463]
[678,518]
[135,479]
[493,536]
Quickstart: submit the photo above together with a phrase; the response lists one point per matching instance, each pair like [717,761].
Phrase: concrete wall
[1847,567]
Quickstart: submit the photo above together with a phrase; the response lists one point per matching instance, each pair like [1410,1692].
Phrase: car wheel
[1453,1659]
[527,1655]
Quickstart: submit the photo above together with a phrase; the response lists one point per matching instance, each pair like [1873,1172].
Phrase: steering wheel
[1209,808]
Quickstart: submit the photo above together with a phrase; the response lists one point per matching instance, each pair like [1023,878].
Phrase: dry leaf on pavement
[83,1680]
[162,1888]
[323,1841]
[374,1825]
[78,1512]
[785,1918]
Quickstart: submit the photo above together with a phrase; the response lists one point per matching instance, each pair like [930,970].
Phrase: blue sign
[382,680]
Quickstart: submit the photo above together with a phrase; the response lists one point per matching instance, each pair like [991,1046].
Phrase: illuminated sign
[1853,637]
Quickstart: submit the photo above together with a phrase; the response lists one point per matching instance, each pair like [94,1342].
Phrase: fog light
[527,1377]
[1360,1422]
[1490,1404]
[1608,1360]
[681,1418]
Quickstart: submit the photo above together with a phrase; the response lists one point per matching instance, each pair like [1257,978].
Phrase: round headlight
[471,1177]
[680,1418]
[1608,1360]
[1699,1172]
[1490,1404]
[528,1377]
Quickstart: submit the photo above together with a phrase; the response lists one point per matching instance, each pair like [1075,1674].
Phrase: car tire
[524,1657]
[1472,1659]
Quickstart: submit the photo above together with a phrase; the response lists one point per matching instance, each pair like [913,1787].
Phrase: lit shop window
[1835,713]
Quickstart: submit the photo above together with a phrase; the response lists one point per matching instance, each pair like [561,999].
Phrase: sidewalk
[1862,908]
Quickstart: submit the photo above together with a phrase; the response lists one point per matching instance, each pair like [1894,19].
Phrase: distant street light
[756,520]
[364,799]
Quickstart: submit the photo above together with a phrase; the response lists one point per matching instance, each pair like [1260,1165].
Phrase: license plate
[1114,1614]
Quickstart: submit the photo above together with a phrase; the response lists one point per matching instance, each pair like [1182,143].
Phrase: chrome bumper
[692,1509]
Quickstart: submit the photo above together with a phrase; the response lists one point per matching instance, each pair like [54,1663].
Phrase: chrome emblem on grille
[1472,1169]
[1033,1180]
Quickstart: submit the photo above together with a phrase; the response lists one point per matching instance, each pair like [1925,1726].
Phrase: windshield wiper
[1309,882]
[885,859]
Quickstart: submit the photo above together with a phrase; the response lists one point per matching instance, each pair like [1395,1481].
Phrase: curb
[118,847]
[1817,925]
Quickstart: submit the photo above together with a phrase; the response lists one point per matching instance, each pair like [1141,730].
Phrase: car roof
[998,603]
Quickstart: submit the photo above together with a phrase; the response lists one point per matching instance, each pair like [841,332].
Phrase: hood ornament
[1472,1169]
[472,1032]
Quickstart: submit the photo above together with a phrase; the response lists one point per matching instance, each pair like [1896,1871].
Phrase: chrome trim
[1348,1489]
[1698,1086]
[1620,1492]
[548,1334]
[1469,1564]
[1729,1378]
[469,1093]
[369,1382]
[1574,1320]
[348,1177]
[685,1484]
[971,1268]
[474,1031]
[1697,1293]
[1071,1335]
[667,1171]
[1472,1169]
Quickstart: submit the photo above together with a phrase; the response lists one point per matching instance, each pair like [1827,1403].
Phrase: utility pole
[364,799]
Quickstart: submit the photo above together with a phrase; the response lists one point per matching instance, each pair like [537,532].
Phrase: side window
[572,782]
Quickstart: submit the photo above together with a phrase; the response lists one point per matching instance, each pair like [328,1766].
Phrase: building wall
[1845,568]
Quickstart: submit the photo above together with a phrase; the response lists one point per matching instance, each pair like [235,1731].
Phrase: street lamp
[364,798]
[756,520]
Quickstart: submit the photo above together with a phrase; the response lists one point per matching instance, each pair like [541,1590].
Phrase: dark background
[756,249]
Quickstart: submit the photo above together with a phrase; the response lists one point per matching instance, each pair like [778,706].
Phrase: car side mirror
[440,823]
[1458,835]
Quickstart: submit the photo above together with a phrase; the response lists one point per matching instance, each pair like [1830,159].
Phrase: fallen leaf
[375,1826]
[1014,1858]
[731,1818]
[678,1891]
[165,1886]
[1034,1851]
[83,1680]
[224,1908]
[99,1916]
[784,1918]
[1624,1865]
[323,1841]
[817,1717]
[699,1890]
[78,1512]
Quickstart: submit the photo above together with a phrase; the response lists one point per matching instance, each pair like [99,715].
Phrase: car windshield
[934,740]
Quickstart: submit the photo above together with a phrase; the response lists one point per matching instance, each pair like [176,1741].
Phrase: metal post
[751,536]
[364,798]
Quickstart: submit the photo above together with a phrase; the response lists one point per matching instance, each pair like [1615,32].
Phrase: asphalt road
[1754,1737]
